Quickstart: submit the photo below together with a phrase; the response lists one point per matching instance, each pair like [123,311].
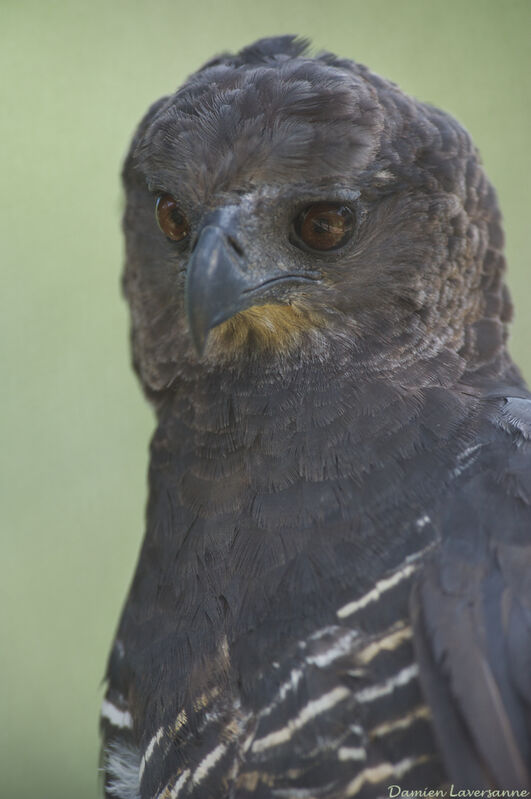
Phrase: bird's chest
[257,505]
[315,683]
[268,523]
[280,552]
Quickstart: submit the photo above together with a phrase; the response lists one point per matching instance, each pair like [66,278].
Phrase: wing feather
[471,613]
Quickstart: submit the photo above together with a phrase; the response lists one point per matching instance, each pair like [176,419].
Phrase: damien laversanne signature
[396,791]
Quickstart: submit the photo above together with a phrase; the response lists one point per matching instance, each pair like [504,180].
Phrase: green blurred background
[76,77]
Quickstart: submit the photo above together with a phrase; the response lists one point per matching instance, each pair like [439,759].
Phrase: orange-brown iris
[171,219]
[325,226]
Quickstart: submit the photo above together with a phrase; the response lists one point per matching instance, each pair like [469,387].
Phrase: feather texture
[333,592]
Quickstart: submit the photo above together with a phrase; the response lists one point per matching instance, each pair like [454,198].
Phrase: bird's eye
[325,226]
[171,219]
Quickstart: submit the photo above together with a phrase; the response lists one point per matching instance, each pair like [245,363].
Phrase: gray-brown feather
[300,488]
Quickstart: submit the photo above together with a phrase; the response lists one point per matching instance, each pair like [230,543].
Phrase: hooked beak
[220,282]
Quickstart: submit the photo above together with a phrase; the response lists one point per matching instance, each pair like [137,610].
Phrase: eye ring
[324,226]
[170,218]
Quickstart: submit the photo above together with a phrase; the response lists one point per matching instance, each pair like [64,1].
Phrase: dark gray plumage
[333,593]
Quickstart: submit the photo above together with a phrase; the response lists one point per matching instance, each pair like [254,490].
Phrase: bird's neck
[258,420]
[265,450]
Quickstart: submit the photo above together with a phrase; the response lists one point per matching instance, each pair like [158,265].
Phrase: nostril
[235,245]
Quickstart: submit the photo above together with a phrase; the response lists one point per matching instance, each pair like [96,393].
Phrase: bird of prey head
[282,207]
